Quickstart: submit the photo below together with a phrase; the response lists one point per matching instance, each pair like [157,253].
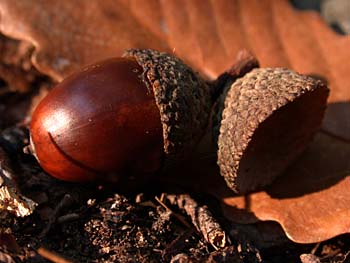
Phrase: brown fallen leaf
[11,199]
[16,70]
[206,34]
[65,39]
[311,200]
[337,120]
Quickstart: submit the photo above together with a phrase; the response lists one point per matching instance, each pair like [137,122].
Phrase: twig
[313,251]
[52,256]
[65,202]
[68,218]
[202,219]
[176,215]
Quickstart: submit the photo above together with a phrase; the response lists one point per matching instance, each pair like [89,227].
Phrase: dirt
[97,223]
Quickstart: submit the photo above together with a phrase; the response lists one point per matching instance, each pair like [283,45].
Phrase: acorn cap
[182,97]
[267,118]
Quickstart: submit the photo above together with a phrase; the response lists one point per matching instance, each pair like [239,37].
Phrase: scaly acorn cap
[267,119]
[183,99]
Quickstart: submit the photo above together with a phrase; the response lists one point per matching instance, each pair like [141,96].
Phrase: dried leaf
[337,120]
[16,69]
[86,31]
[311,200]
[65,38]
[11,199]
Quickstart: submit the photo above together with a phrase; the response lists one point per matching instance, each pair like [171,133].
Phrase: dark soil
[96,223]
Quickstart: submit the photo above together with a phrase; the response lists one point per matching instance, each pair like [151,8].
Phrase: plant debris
[99,223]
[10,197]
[202,219]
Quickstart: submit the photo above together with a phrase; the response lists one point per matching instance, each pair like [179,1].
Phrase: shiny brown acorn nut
[120,116]
[263,122]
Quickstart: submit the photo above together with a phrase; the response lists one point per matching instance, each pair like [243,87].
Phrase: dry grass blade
[52,256]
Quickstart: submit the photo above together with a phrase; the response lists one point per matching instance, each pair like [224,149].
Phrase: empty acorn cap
[183,99]
[267,119]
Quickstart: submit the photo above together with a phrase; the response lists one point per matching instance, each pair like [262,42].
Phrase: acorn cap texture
[267,118]
[182,97]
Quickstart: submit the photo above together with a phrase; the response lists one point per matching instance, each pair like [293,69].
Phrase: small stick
[52,256]
[176,215]
[68,218]
[313,251]
[65,202]
[202,219]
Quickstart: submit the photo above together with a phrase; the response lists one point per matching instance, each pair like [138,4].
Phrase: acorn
[122,116]
[263,122]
